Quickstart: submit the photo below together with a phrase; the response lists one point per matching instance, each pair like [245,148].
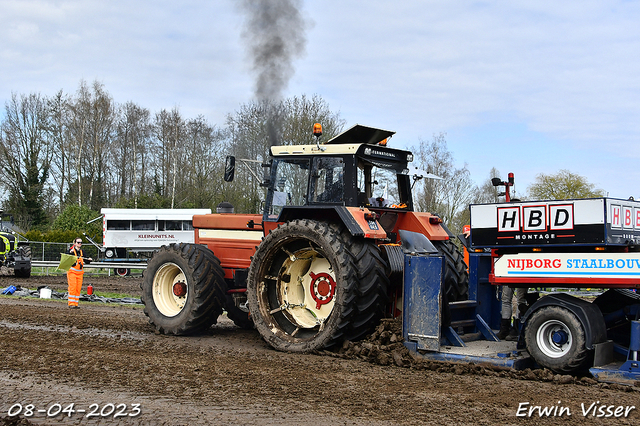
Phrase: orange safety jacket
[79,265]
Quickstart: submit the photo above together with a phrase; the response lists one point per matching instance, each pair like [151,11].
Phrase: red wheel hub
[323,287]
[180,289]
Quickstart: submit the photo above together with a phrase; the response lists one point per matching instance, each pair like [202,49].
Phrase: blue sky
[527,87]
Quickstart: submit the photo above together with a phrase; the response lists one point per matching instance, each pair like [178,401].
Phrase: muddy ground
[107,359]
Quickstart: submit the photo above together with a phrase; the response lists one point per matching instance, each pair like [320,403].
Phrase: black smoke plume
[274,32]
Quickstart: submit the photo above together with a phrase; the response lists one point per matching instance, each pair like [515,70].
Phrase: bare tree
[130,151]
[58,107]
[488,193]
[25,153]
[169,131]
[446,197]
[204,165]
[301,113]
[101,128]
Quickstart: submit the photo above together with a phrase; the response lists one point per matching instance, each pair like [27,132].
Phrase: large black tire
[23,272]
[555,339]
[26,251]
[183,289]
[456,277]
[311,285]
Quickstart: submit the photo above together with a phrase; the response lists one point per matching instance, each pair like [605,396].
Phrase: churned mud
[107,360]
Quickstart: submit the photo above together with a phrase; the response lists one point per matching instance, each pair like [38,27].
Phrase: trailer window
[170,225]
[187,225]
[143,225]
[118,225]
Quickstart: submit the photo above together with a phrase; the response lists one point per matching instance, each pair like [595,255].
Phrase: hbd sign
[541,222]
[625,217]
[535,218]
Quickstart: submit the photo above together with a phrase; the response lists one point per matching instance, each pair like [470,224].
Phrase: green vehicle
[14,254]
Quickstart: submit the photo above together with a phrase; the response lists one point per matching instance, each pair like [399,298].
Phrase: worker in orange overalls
[74,275]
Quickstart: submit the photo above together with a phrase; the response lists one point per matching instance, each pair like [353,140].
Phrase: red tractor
[322,263]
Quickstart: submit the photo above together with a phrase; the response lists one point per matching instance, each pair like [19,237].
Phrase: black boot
[514,333]
[505,326]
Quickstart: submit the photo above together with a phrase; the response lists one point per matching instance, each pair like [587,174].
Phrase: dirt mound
[384,347]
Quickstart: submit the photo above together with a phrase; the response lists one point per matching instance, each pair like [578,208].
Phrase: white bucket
[45,293]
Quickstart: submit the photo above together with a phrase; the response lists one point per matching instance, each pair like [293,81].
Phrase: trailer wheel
[456,277]
[122,272]
[555,339]
[183,289]
[310,286]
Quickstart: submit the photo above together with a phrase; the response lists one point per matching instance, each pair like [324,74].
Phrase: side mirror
[496,181]
[229,168]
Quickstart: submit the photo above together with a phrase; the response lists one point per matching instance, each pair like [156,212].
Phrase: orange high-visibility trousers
[74,278]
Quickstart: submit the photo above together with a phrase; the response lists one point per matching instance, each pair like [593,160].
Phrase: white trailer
[145,230]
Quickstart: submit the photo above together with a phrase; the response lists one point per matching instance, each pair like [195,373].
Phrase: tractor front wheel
[183,289]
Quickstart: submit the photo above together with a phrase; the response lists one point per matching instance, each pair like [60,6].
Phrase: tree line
[84,150]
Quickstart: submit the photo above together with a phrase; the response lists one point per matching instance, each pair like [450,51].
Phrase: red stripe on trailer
[567,282]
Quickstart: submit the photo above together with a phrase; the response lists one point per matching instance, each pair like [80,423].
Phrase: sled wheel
[183,289]
[555,339]
[310,286]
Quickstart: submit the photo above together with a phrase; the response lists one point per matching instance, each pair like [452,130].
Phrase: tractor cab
[353,169]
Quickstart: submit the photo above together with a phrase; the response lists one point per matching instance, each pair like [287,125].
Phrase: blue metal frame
[471,320]
[476,318]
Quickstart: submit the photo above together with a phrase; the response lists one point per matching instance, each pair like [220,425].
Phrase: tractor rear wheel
[456,277]
[312,285]
[183,289]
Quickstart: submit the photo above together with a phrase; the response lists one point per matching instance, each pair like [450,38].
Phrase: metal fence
[45,257]
[50,252]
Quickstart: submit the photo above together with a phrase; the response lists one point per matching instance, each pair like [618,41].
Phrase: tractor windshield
[379,185]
